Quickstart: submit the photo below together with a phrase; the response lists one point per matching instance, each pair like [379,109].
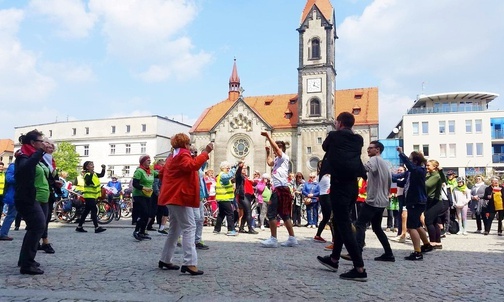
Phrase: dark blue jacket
[10,188]
[415,193]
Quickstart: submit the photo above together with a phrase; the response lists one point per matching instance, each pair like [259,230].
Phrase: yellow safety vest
[223,192]
[93,191]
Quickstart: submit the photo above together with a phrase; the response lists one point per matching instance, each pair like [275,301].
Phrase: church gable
[240,118]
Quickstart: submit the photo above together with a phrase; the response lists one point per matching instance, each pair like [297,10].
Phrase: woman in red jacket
[180,192]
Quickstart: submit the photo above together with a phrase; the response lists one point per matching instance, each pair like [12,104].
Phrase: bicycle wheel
[126,207]
[105,212]
[60,214]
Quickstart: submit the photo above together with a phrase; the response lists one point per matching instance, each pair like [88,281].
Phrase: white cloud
[452,46]
[70,72]
[151,33]
[19,78]
[70,16]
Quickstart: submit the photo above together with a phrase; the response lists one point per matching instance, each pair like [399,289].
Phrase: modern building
[456,129]
[301,119]
[115,142]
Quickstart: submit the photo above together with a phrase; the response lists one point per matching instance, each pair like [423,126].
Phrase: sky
[89,59]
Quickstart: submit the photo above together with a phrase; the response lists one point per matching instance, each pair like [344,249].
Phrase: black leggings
[90,206]
[432,212]
[325,205]
[247,211]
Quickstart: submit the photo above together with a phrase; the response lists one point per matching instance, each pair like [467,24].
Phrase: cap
[266,175]
[460,179]
[451,172]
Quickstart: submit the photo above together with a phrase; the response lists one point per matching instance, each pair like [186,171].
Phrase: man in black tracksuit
[342,160]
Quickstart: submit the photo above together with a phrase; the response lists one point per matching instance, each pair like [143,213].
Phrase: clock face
[314,85]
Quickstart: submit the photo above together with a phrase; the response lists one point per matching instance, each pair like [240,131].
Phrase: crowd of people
[345,194]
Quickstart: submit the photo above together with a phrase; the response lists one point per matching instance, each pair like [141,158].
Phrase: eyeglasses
[371,148]
[38,140]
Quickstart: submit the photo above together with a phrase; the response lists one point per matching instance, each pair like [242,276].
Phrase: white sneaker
[464,233]
[262,228]
[270,242]
[292,241]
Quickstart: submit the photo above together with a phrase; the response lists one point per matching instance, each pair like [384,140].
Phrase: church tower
[316,72]
[316,82]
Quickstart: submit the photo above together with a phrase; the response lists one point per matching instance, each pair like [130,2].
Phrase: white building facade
[115,142]
[458,130]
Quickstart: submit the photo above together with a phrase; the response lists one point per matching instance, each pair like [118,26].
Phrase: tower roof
[324,6]
[234,74]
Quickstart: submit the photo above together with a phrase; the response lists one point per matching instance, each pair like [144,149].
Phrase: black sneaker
[385,258]
[16,228]
[145,236]
[426,248]
[47,248]
[202,246]
[163,231]
[252,231]
[414,256]
[327,262]
[354,275]
[137,236]
[151,229]
[99,230]
[80,230]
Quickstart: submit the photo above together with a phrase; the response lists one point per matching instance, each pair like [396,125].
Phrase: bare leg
[288,226]
[273,227]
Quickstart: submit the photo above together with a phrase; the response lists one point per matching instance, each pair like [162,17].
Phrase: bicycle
[71,208]
[210,216]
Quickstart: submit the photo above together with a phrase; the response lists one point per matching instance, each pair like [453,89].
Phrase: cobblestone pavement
[112,266]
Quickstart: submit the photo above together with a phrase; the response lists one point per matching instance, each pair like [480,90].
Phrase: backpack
[453,228]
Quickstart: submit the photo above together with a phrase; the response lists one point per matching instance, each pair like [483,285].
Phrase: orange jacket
[180,179]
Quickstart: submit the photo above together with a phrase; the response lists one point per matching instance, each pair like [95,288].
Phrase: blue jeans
[199,218]
[312,213]
[11,215]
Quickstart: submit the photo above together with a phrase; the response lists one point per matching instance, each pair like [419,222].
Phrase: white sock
[161,227]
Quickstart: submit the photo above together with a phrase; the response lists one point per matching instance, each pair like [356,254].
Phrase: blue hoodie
[10,187]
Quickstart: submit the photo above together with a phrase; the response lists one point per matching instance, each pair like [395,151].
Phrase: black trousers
[142,205]
[296,215]
[374,215]
[90,206]
[225,210]
[325,205]
[45,209]
[247,211]
[152,210]
[35,225]
[343,196]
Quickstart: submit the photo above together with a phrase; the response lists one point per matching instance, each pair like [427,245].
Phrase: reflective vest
[223,192]
[93,191]
[2,182]
[79,186]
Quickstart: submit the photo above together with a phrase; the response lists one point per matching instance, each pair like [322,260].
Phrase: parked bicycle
[209,214]
[71,208]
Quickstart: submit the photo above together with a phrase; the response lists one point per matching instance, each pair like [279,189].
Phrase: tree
[67,159]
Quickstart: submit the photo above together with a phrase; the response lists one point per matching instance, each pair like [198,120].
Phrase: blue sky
[76,59]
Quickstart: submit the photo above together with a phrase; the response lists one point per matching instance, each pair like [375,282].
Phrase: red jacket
[180,179]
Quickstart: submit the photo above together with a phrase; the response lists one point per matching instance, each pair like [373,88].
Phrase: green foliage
[67,159]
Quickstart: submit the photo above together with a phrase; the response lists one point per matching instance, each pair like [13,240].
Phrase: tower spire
[234,84]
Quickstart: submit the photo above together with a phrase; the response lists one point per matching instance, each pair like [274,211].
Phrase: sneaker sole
[269,246]
[332,269]
[355,279]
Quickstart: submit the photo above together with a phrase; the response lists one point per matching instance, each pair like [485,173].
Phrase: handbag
[308,200]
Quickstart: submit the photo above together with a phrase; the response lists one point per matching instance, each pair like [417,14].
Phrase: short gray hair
[224,164]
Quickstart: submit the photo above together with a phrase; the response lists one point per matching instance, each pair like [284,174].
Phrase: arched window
[315,48]
[314,107]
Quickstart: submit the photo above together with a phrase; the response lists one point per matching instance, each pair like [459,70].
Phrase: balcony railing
[445,110]
[498,158]
[497,134]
